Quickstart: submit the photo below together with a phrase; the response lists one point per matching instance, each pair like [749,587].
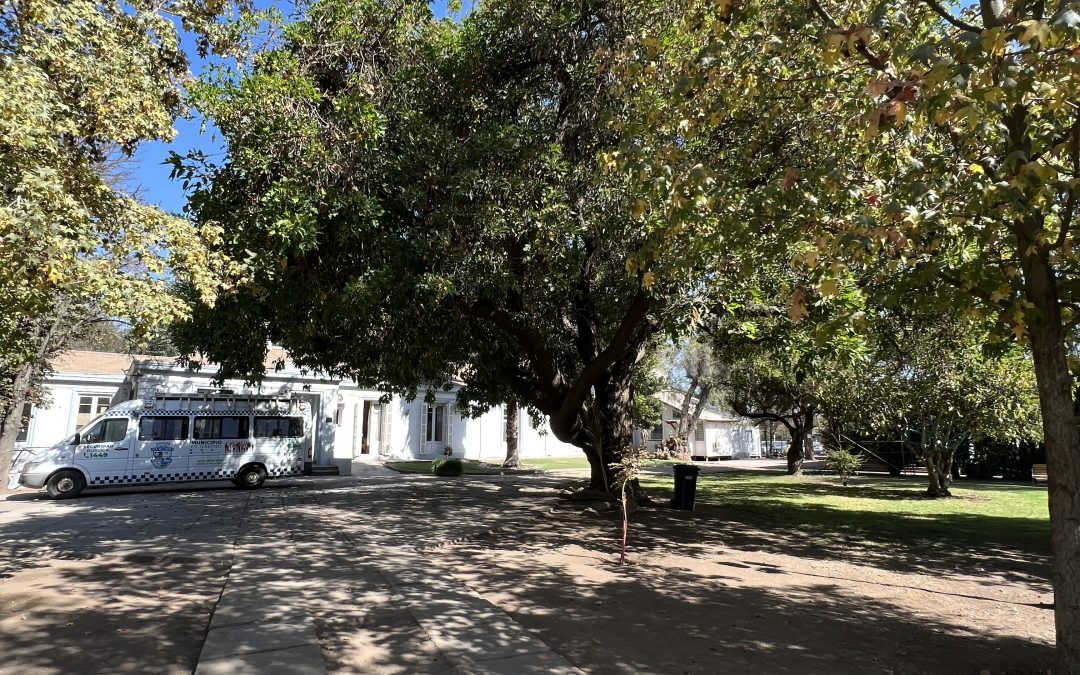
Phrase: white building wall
[338,419]
[56,420]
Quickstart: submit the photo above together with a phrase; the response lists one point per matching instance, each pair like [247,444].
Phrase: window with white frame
[657,433]
[90,407]
[436,424]
[699,432]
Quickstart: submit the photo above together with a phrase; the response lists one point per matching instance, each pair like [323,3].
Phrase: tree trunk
[513,458]
[691,423]
[684,410]
[937,470]
[1062,455]
[20,389]
[795,452]
[808,434]
[615,425]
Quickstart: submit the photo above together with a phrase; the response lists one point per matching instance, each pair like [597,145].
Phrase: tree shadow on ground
[112,585]
[124,583]
[500,535]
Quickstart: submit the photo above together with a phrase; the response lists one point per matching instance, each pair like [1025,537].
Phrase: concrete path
[299,577]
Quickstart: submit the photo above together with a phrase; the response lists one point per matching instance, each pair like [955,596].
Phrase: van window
[106,431]
[163,428]
[276,427]
[220,427]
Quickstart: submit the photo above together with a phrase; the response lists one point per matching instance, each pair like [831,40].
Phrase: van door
[280,444]
[161,449]
[104,451]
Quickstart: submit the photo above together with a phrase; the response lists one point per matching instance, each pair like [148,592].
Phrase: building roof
[112,363]
[709,413]
[93,363]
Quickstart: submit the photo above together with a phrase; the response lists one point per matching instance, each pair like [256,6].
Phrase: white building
[719,434]
[351,424]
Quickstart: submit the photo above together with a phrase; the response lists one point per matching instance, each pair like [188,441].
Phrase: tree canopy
[81,85]
[421,197]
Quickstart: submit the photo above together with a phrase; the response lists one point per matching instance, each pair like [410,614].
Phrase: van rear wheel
[250,477]
[65,484]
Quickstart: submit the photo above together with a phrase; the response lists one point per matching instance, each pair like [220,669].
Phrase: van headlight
[28,467]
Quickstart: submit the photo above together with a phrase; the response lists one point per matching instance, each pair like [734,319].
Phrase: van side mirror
[77,438]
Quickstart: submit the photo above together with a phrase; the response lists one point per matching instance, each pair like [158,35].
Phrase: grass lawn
[469,468]
[886,511]
[557,463]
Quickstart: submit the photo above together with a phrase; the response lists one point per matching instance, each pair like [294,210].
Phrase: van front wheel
[250,477]
[65,484]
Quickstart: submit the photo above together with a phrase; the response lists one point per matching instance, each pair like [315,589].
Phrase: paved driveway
[389,573]
[218,580]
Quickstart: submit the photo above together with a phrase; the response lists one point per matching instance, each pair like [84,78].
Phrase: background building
[351,423]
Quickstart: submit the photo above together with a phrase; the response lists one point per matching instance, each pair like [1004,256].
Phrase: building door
[373,428]
[317,453]
[436,429]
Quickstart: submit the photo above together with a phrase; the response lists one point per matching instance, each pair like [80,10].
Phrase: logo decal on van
[162,457]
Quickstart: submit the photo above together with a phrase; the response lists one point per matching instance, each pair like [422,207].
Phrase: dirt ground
[126,582]
[708,608]
[705,594]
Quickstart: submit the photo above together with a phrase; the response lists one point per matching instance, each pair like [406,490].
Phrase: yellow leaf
[639,209]
[797,309]
[833,43]
[1035,32]
[631,265]
[994,95]
[900,111]
[860,34]
[828,288]
[976,168]
[872,128]
[993,40]
[647,280]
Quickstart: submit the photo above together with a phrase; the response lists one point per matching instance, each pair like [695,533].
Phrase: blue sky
[151,177]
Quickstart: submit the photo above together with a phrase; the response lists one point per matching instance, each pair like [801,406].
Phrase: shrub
[447,467]
[843,462]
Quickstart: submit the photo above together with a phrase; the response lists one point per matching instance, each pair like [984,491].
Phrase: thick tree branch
[872,59]
[989,16]
[944,14]
[626,339]
[549,379]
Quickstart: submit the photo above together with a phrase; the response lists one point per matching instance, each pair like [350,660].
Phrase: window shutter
[384,427]
[424,411]
[450,426]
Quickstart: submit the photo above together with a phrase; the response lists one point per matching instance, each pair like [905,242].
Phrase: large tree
[81,85]
[967,170]
[423,198]
[937,382]
[972,136]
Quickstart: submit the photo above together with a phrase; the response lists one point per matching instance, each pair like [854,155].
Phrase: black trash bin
[685,486]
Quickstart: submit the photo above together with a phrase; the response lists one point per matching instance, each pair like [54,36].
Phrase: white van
[177,438]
